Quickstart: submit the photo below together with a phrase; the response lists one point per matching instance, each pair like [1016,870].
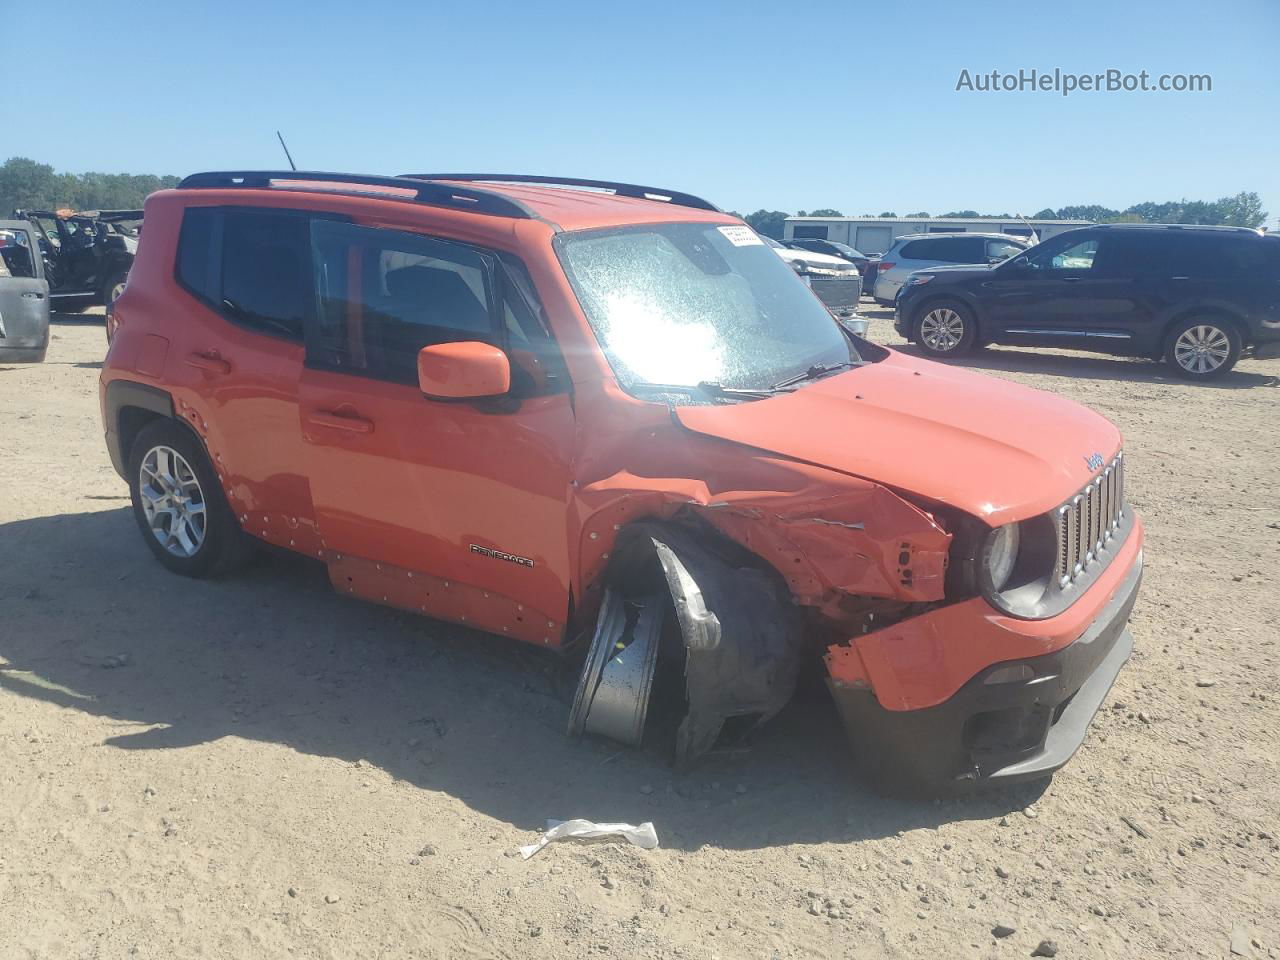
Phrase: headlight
[1000,553]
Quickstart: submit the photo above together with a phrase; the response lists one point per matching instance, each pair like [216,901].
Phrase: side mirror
[463,371]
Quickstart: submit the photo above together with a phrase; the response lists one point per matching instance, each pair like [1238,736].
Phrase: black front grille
[1088,521]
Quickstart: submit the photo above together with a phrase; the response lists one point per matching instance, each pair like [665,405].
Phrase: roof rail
[633,190]
[1222,228]
[433,194]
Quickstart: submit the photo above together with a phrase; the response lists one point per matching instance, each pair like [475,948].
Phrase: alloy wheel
[172,501]
[116,289]
[1201,349]
[942,329]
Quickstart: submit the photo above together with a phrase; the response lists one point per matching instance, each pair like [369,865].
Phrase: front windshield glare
[689,303]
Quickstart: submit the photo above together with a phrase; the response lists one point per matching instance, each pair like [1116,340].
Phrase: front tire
[1202,348]
[945,328]
[179,505]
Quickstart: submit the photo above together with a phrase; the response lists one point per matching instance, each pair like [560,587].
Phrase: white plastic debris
[643,836]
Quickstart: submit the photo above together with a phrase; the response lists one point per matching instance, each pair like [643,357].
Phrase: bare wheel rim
[942,329]
[116,290]
[1202,348]
[172,501]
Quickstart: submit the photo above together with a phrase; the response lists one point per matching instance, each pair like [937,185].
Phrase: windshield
[690,303]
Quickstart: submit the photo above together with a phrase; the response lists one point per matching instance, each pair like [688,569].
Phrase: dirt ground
[258,768]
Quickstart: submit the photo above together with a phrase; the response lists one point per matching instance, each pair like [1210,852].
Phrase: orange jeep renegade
[608,420]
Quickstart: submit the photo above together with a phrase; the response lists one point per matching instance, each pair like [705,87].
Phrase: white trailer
[876,234]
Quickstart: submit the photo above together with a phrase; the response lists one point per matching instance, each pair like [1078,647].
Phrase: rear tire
[179,505]
[113,287]
[945,328]
[1202,348]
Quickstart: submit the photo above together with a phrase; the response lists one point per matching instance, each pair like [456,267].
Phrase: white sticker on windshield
[741,236]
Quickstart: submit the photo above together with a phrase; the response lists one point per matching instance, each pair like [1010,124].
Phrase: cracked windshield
[688,303]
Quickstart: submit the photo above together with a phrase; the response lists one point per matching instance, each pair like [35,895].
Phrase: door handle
[1071,279]
[335,421]
[34,295]
[202,361]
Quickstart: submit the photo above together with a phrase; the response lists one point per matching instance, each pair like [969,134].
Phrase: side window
[537,366]
[964,250]
[16,259]
[1245,259]
[384,295]
[1136,254]
[919,250]
[197,266]
[266,280]
[1002,249]
[1073,254]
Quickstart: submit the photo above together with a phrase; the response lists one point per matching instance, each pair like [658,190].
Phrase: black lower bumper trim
[996,732]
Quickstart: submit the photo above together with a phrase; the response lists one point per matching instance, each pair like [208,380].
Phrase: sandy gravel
[257,768]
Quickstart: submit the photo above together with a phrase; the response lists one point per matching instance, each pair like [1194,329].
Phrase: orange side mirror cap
[463,371]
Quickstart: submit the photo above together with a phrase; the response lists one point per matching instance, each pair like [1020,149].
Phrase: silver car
[920,251]
[24,295]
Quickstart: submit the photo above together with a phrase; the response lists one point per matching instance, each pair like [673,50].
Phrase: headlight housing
[1000,554]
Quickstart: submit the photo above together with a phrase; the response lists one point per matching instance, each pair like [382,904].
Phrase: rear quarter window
[197,266]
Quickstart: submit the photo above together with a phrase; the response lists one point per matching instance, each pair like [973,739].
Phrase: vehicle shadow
[94,624]
[85,319]
[1089,366]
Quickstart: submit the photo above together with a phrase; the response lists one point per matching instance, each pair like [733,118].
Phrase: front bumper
[998,732]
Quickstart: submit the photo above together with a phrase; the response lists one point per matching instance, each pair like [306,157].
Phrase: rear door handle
[336,421]
[1071,279]
[202,361]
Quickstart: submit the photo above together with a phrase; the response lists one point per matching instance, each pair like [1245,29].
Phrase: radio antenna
[288,156]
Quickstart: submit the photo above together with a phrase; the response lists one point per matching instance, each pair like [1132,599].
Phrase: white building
[875,234]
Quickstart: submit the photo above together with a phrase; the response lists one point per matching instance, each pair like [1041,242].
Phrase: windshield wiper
[710,388]
[815,372]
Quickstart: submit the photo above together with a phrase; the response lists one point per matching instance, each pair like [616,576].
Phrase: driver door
[1042,296]
[457,509]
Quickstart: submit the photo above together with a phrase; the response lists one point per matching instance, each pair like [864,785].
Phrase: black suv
[1194,296]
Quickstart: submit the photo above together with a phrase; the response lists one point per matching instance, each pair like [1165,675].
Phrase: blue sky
[784,106]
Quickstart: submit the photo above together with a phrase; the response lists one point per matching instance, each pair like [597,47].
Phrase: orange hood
[994,449]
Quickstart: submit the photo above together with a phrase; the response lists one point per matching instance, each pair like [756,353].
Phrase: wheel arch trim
[124,395]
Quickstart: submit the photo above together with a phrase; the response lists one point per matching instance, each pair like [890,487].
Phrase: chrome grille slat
[1088,521]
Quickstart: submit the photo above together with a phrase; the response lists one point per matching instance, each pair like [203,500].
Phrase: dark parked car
[87,255]
[1196,297]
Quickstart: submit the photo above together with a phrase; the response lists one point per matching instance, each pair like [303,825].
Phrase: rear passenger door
[236,361]
[455,509]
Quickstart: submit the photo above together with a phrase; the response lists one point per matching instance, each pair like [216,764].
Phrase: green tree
[889,214]
[25,184]
[1242,210]
[1086,212]
[922,215]
[824,212]
[1045,214]
[767,222]
[963,215]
